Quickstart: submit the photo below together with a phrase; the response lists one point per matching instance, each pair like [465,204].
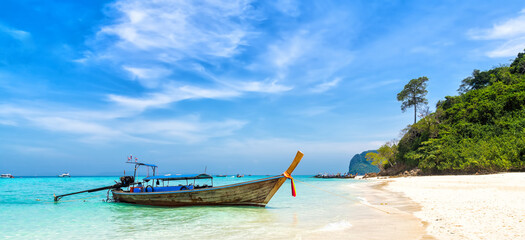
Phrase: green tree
[413,95]
[476,81]
[518,66]
[386,154]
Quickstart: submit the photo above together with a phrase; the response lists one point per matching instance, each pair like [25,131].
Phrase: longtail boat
[160,190]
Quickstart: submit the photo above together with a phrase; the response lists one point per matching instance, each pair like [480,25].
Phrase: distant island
[360,166]
[482,130]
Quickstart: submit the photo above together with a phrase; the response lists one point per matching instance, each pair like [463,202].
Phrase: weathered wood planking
[252,193]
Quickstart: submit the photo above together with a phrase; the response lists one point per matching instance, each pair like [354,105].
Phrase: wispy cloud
[17,34]
[92,127]
[286,52]
[68,125]
[289,7]
[315,111]
[171,94]
[260,86]
[325,86]
[153,40]
[148,77]
[196,29]
[374,85]
[156,41]
[511,32]
[190,129]
[304,58]
[8,122]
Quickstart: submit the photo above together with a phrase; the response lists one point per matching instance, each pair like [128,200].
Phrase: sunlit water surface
[27,211]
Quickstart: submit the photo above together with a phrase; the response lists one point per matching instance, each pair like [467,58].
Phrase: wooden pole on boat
[289,171]
[125,181]
[296,161]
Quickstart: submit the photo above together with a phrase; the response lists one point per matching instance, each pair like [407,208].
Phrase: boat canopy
[179,177]
[143,164]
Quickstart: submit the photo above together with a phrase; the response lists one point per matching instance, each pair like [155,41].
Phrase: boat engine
[126,181]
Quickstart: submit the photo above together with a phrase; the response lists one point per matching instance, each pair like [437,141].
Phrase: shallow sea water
[27,211]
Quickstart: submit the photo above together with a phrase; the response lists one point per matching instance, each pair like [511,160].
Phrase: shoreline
[391,213]
[463,206]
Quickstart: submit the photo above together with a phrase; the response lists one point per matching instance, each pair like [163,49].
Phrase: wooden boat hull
[250,193]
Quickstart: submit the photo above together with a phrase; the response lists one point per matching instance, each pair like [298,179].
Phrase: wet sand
[391,214]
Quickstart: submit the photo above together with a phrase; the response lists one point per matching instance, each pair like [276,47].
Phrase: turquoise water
[27,211]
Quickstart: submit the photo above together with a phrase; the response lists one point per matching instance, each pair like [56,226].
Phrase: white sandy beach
[467,207]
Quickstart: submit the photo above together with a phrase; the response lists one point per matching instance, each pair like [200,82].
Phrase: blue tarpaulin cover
[179,177]
[145,164]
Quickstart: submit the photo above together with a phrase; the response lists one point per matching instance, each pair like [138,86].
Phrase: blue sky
[237,86]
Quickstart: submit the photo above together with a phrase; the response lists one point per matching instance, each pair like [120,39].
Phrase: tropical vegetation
[480,130]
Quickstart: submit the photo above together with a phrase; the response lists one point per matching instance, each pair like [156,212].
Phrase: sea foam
[336,226]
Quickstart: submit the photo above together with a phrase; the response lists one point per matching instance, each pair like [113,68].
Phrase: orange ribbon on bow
[286,175]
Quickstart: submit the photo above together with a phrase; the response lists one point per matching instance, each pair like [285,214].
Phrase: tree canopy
[413,95]
[385,155]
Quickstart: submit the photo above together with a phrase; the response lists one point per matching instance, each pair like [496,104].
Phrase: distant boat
[240,175]
[6,175]
[64,175]
[221,175]
[166,190]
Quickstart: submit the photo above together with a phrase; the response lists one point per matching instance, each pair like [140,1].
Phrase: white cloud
[305,58]
[198,29]
[171,94]
[62,124]
[510,28]
[262,87]
[375,85]
[173,36]
[148,77]
[155,40]
[91,127]
[191,129]
[315,111]
[8,122]
[286,52]
[15,33]
[325,86]
[510,48]
[289,7]
[511,32]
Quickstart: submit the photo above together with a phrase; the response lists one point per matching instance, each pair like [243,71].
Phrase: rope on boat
[342,196]
[286,175]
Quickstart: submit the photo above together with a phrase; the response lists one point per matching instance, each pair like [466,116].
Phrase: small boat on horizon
[221,175]
[240,175]
[6,175]
[64,175]
[169,191]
